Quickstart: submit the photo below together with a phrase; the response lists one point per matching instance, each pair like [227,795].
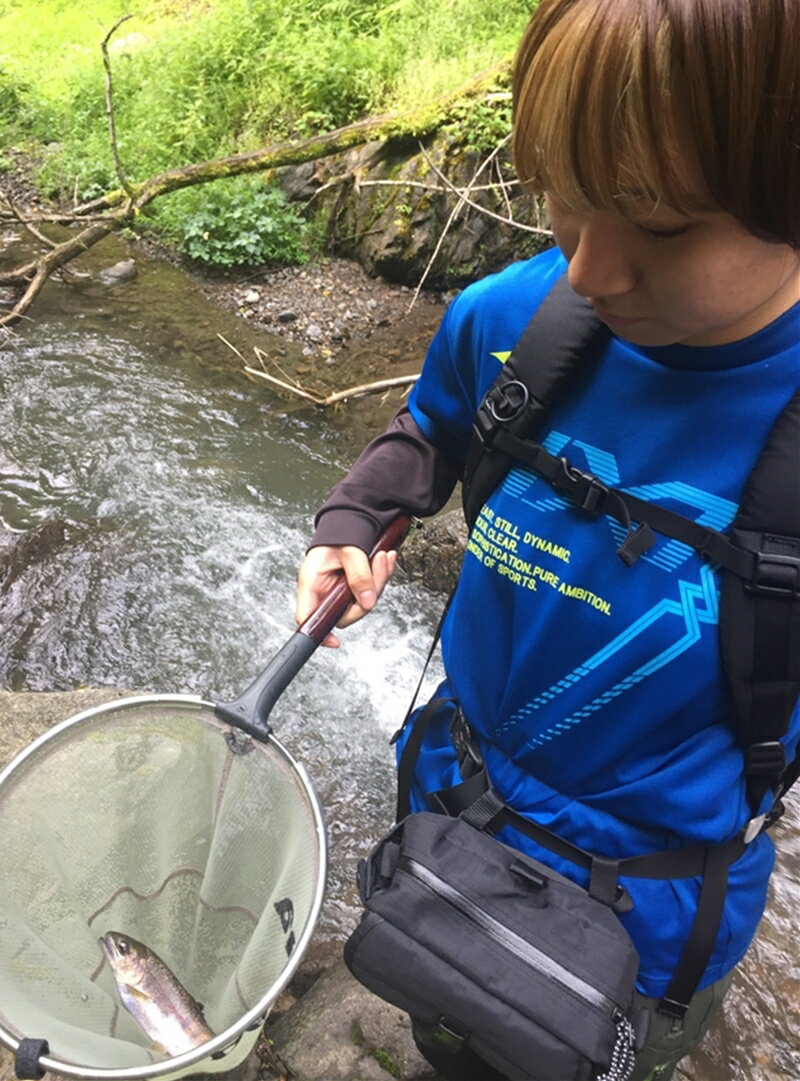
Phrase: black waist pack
[505,955]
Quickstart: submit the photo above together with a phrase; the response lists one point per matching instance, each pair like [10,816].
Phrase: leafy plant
[483,123]
[244,225]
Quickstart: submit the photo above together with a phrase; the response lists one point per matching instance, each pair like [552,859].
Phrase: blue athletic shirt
[595,689]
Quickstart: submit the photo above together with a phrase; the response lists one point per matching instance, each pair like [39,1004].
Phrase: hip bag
[531,971]
[496,949]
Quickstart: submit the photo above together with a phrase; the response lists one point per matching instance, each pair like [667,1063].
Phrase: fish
[154,996]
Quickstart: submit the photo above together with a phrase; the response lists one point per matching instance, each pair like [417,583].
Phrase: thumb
[358,573]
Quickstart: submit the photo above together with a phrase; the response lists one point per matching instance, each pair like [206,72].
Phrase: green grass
[198,79]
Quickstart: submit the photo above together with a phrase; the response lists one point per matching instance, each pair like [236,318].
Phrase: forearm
[398,471]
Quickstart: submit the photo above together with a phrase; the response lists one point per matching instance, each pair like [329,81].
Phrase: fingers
[366,591]
[324,566]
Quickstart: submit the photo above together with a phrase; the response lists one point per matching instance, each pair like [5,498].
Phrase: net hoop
[221,1046]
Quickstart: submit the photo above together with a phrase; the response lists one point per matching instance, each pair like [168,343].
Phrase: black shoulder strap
[760,614]
[558,345]
[760,617]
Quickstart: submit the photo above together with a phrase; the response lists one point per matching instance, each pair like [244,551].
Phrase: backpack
[760,557]
[759,609]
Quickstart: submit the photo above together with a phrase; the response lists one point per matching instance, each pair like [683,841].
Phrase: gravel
[324,306]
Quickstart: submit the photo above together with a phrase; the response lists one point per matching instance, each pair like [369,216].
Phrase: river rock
[119,273]
[387,207]
[432,555]
[339,1031]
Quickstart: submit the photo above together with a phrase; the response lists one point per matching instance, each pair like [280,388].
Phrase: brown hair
[692,103]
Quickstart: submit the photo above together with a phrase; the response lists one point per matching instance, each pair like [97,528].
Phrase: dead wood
[119,208]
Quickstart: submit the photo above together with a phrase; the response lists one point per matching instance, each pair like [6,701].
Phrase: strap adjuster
[776,574]
[470,759]
[502,405]
[765,759]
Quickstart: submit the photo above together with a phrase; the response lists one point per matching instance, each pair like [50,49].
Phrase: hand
[323,567]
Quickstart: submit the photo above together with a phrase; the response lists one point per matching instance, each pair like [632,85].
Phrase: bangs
[599,111]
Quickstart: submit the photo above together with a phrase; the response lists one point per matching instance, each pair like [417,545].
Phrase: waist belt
[475,800]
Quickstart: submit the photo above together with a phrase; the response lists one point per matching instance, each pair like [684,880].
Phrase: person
[664,137]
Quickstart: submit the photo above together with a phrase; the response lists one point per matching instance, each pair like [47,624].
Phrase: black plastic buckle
[583,489]
[776,575]
[465,747]
[673,1009]
[765,759]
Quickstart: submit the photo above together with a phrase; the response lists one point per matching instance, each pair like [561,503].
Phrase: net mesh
[148,821]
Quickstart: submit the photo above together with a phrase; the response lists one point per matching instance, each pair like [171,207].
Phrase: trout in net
[154,996]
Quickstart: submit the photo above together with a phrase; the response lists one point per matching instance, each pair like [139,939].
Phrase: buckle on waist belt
[470,759]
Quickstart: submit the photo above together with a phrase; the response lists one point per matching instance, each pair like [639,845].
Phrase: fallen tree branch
[295,388]
[119,208]
[359,391]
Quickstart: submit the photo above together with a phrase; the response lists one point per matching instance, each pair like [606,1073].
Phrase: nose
[601,264]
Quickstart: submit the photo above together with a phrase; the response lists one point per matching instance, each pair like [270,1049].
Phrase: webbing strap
[557,348]
[410,753]
[699,945]
[490,812]
[589,494]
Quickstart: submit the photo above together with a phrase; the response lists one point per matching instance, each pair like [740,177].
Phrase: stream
[166,502]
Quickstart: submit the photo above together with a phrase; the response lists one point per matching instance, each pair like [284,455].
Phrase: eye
[122,946]
[665,234]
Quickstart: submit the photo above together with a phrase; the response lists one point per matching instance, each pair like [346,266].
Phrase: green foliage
[241,224]
[199,79]
[483,123]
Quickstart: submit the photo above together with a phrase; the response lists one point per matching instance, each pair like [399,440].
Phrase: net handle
[252,708]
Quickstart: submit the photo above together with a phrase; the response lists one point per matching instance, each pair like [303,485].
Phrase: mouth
[617,320]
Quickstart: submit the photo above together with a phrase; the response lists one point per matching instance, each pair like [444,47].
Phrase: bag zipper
[509,939]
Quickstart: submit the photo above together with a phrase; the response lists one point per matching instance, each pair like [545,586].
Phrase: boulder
[339,1031]
[386,205]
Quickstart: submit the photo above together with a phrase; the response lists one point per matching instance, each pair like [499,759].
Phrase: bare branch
[36,273]
[110,106]
[497,217]
[17,214]
[462,201]
[297,389]
[370,388]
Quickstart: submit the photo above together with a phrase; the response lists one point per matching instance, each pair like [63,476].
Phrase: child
[665,138]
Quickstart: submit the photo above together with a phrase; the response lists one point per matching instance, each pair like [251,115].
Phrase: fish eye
[123,946]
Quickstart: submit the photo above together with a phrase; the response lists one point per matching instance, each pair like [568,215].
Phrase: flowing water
[167,503]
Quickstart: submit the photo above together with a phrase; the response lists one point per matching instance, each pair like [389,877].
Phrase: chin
[650,336]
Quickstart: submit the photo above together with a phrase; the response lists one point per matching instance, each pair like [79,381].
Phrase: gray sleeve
[398,471]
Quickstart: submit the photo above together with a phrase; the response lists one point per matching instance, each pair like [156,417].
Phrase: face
[666,278]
